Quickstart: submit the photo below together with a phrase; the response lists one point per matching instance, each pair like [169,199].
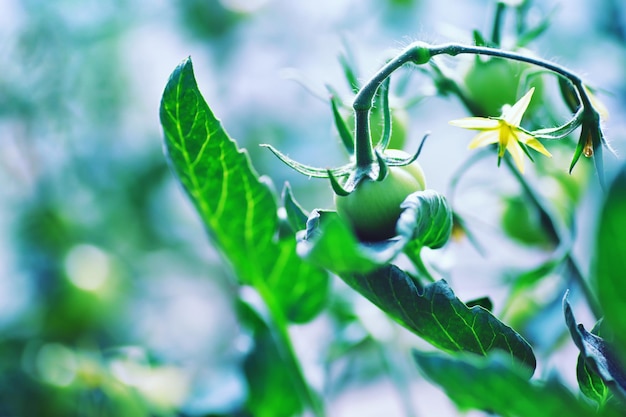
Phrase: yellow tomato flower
[505,131]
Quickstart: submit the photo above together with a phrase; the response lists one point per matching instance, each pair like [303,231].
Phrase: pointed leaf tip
[238,209]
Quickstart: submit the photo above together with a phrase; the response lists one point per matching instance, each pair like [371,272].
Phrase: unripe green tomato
[399,127]
[373,208]
[494,83]
[522,224]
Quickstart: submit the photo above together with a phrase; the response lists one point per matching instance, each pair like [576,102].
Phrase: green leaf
[349,72]
[496,385]
[485,302]
[533,33]
[590,383]
[434,313]
[271,389]
[598,359]
[329,242]
[426,219]
[238,210]
[609,268]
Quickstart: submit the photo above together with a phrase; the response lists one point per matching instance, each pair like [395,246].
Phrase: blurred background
[113,301]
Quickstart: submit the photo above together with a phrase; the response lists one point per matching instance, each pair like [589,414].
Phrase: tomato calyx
[370,189]
[373,207]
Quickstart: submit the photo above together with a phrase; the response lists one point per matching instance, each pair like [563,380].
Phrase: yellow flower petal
[476,123]
[504,131]
[536,145]
[517,154]
[484,139]
[503,137]
[514,115]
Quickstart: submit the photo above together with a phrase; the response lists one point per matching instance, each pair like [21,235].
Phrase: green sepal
[345,133]
[591,137]
[559,132]
[383,170]
[578,151]
[526,151]
[479,39]
[337,187]
[387,123]
[400,162]
[434,313]
[307,170]
[599,357]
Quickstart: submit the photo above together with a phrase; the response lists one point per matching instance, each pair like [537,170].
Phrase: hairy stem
[363,103]
[454,49]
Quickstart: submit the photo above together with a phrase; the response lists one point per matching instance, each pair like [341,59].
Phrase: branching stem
[420,53]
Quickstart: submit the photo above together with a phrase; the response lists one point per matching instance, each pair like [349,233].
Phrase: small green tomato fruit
[373,208]
[496,82]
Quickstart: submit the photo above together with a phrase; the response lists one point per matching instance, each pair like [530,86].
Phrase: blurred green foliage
[112,303]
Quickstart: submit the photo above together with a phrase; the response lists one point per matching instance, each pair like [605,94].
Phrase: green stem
[283,341]
[420,53]
[413,252]
[454,49]
[363,103]
[363,143]
[555,237]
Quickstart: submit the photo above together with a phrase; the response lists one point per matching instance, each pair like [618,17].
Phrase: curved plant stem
[420,53]
[363,100]
[454,49]
[363,104]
